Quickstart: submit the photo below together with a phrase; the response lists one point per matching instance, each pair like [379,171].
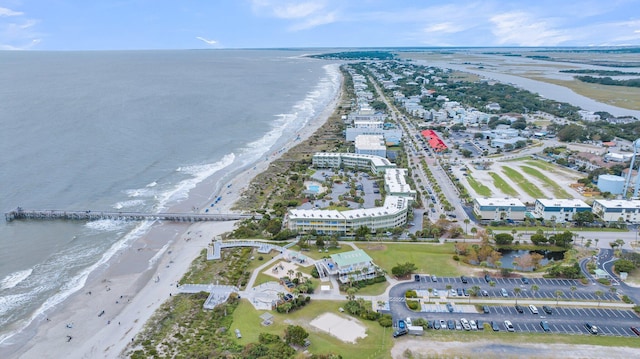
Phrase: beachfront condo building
[499,209]
[345,223]
[559,210]
[375,164]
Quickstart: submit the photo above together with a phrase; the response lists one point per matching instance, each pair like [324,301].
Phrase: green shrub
[626,299]
[413,305]
[385,321]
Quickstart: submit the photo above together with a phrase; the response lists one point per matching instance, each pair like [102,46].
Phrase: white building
[395,183]
[614,210]
[353,265]
[392,214]
[559,210]
[371,145]
[498,209]
[375,164]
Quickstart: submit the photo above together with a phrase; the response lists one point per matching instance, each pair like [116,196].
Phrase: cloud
[304,15]
[17,32]
[522,29]
[209,42]
[4,12]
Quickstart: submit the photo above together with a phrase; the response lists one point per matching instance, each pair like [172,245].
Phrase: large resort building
[392,214]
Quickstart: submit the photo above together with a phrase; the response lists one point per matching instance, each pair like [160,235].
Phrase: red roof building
[434,141]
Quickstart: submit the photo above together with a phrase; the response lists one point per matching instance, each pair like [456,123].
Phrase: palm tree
[534,289]
[492,284]
[613,290]
[597,239]
[558,293]
[290,272]
[573,289]
[599,294]
[466,222]
[517,291]
[474,230]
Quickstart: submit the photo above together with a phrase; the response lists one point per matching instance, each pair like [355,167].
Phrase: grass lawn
[517,177]
[558,192]
[480,189]
[377,344]
[502,185]
[558,229]
[543,338]
[543,165]
[428,258]
[315,254]
[374,289]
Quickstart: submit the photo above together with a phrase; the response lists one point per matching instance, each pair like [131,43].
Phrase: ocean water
[134,131]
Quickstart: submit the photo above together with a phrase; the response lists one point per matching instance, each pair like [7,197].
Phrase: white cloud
[209,42]
[305,15]
[522,29]
[17,32]
[446,27]
[4,12]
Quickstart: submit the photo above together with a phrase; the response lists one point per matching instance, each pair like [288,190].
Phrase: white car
[465,324]
[453,293]
[508,326]
[533,309]
[473,325]
[435,293]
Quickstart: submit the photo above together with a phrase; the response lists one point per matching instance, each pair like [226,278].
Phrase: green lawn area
[502,185]
[377,344]
[480,189]
[374,289]
[517,177]
[543,165]
[315,254]
[428,258]
[558,192]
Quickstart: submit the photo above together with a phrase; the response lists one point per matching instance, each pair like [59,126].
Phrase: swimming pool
[314,188]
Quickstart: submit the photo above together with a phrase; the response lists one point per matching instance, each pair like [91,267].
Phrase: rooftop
[503,202]
[561,202]
[346,259]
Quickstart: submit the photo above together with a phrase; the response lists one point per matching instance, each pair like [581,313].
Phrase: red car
[636,331]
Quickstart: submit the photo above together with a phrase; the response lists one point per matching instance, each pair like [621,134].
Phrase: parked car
[451,324]
[416,277]
[545,326]
[509,326]
[485,309]
[450,307]
[591,328]
[434,278]
[636,330]
[458,325]
[547,310]
[519,309]
[525,280]
[484,293]
[464,279]
[533,309]
[473,325]
[452,292]
[465,324]
[443,324]
[487,278]
[459,291]
[495,326]
[480,324]
[464,291]
[435,293]
[504,292]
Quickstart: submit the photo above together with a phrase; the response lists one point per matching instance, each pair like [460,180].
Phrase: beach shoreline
[118,298]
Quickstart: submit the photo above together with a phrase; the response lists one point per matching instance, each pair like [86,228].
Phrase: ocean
[131,131]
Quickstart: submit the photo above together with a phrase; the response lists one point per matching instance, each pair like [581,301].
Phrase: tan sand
[346,329]
[143,286]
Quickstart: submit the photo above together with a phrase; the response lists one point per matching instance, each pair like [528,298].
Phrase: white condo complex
[392,214]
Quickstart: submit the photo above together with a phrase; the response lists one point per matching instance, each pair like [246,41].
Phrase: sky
[196,24]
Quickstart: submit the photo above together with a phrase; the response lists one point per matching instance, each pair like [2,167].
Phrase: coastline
[118,298]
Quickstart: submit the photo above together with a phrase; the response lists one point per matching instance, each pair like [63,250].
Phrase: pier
[51,214]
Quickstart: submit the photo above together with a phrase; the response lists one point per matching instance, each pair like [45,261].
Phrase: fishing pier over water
[20,213]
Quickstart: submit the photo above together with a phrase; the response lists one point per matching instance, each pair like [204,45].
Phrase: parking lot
[546,288]
[563,319]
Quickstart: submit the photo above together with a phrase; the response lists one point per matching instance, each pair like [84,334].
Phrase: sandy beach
[100,320]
